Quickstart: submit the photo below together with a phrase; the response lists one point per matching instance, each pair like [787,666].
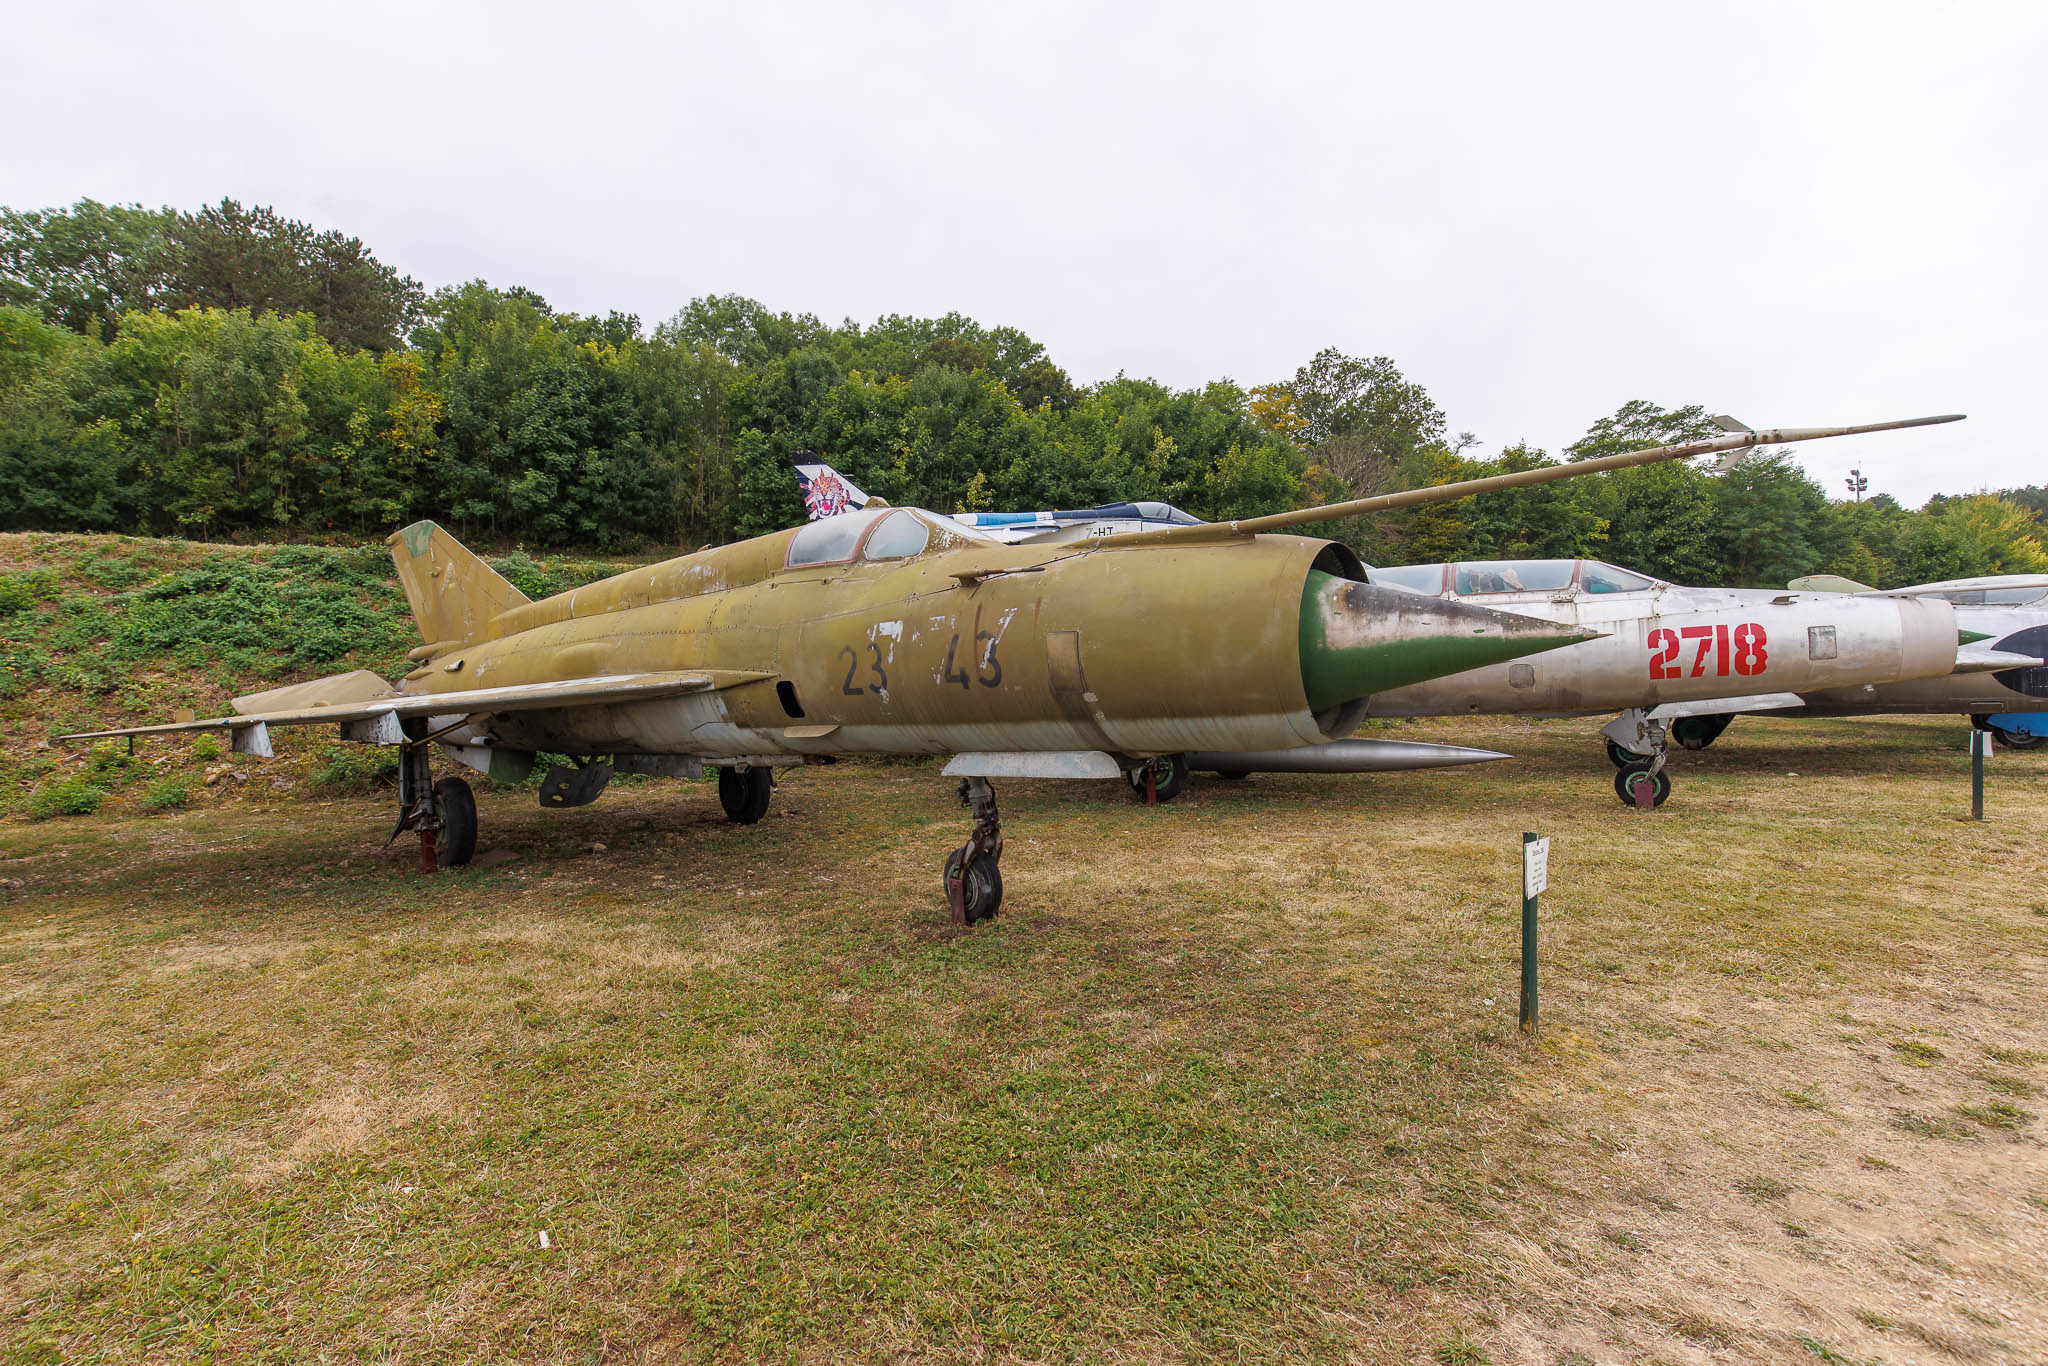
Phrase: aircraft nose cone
[1361,638]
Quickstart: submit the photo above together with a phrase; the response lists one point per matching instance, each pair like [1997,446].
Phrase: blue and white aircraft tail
[827,492]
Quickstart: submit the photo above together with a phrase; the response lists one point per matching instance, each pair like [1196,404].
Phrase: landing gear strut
[443,813]
[1638,747]
[974,881]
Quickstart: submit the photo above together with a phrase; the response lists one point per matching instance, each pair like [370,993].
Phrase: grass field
[1233,1079]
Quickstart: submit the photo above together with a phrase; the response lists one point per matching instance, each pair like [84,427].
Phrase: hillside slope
[99,631]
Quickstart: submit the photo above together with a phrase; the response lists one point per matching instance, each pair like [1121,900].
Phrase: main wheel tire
[1697,732]
[981,891]
[2014,740]
[1622,757]
[1169,776]
[1625,779]
[457,805]
[744,795]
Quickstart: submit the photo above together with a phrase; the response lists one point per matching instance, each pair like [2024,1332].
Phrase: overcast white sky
[1798,214]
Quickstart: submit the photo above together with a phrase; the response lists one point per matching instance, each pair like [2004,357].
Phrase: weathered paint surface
[968,645]
[1667,644]
[2020,630]
[1358,639]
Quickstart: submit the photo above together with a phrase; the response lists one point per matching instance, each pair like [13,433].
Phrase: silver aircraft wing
[603,690]
[1722,706]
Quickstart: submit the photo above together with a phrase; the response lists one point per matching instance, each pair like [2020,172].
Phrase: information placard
[1535,866]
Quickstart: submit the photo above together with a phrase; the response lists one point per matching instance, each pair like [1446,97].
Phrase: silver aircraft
[1672,660]
[2009,612]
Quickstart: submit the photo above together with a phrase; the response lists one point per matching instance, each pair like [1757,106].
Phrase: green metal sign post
[1979,742]
[1535,877]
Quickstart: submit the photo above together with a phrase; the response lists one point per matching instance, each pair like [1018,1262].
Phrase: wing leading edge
[604,690]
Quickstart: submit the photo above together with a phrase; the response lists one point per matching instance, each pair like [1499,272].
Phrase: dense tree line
[233,373]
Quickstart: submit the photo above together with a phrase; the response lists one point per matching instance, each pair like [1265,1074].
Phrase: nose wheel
[1640,786]
[974,881]
[1637,747]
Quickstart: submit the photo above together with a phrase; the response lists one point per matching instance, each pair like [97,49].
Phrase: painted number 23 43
[1715,649]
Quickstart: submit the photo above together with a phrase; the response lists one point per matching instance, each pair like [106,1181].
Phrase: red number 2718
[1716,645]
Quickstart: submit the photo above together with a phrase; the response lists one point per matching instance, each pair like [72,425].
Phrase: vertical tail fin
[826,491]
[453,594]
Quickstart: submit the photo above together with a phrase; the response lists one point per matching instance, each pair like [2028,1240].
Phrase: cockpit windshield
[900,535]
[1605,578]
[830,540]
[1994,597]
[1513,576]
[1417,578]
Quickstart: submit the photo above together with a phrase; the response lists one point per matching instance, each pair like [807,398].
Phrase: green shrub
[544,578]
[23,589]
[289,606]
[74,796]
[168,793]
[108,762]
[348,769]
[115,569]
[207,748]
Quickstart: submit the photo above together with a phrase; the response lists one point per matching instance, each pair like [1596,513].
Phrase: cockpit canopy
[2009,595]
[872,534]
[1472,577]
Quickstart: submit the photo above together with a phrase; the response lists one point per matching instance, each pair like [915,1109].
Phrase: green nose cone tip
[1360,638]
[1968,637]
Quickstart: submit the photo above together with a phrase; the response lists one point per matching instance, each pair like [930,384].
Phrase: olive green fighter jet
[898,631]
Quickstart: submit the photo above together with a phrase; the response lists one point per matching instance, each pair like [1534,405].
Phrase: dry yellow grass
[1236,1078]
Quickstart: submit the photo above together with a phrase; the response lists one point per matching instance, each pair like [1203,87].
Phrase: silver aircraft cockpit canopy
[1472,577]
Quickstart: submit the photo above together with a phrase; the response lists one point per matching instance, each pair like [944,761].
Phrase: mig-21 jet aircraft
[1674,660]
[2007,612]
[899,631]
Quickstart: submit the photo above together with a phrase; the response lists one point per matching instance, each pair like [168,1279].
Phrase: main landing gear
[1638,748]
[744,792]
[1697,732]
[1160,778]
[2011,739]
[974,879]
[443,813]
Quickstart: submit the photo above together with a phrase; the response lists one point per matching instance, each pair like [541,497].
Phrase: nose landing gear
[974,879]
[1638,747]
